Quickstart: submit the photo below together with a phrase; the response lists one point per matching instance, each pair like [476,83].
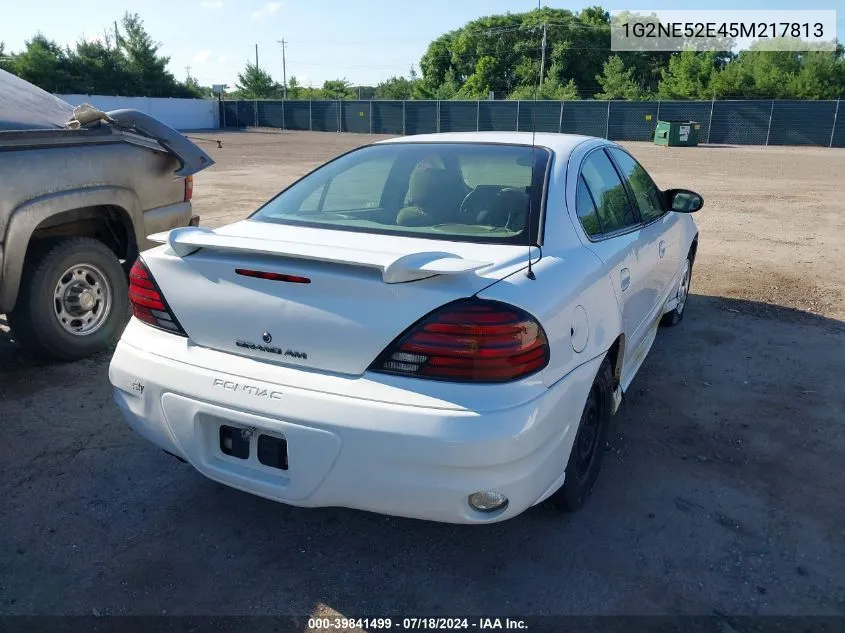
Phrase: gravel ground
[721,489]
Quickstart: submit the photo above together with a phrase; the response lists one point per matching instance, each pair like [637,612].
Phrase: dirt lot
[722,490]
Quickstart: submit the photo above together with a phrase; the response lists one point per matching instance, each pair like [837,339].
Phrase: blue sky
[365,41]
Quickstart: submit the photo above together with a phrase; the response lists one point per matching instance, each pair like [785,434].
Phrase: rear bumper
[344,451]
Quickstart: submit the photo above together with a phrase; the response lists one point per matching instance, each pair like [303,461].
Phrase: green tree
[337,89]
[617,82]
[822,76]
[502,53]
[45,64]
[482,81]
[688,76]
[199,92]
[554,87]
[398,88]
[255,83]
[293,87]
[148,69]
[782,74]
[100,68]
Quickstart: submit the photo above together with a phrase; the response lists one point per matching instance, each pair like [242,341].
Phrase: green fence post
[769,129]
[517,115]
[560,121]
[310,117]
[710,122]
[477,115]
[607,122]
[371,116]
[832,129]
[404,125]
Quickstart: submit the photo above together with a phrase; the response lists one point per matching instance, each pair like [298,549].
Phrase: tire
[674,317]
[73,299]
[587,453]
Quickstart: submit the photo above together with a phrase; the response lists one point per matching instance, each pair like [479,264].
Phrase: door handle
[624,278]
[662,248]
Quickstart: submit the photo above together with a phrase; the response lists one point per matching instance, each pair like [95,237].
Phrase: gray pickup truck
[80,191]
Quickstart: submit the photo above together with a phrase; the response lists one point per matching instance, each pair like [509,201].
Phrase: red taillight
[189,188]
[470,340]
[148,304]
[261,274]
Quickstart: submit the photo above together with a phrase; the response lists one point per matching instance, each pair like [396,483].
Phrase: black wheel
[677,314]
[73,299]
[588,450]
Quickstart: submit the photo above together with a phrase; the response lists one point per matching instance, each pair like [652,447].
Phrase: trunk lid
[360,297]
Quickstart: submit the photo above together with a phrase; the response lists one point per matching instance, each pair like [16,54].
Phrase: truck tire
[73,300]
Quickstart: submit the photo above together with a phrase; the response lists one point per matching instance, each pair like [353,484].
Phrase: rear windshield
[463,192]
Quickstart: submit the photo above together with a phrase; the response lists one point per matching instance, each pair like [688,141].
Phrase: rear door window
[586,209]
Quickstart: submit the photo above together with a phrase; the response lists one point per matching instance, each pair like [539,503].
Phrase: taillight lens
[189,188]
[470,340]
[148,304]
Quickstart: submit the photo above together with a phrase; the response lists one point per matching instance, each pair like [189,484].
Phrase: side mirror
[684,200]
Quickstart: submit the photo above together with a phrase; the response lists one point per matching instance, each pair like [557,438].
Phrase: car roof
[560,144]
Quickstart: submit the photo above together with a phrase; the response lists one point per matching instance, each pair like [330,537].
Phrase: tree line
[499,54]
[125,61]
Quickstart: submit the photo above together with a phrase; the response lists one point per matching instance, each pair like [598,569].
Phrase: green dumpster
[677,133]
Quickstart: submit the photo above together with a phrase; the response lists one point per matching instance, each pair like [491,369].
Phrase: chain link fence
[759,122]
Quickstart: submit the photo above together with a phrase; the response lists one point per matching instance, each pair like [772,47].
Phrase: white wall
[181,114]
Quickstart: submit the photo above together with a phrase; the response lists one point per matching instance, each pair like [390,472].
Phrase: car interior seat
[432,198]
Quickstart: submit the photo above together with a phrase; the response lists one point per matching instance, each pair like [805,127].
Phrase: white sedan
[437,327]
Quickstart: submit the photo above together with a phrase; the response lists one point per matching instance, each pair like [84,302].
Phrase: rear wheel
[676,315]
[588,450]
[73,299]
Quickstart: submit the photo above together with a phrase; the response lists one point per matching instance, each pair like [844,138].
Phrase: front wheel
[73,300]
[585,459]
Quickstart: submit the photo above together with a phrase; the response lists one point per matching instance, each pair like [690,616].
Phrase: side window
[649,197]
[612,203]
[359,187]
[586,209]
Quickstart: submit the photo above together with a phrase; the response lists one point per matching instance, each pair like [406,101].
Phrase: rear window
[455,191]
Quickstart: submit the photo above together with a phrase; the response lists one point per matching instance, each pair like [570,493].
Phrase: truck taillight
[148,304]
[470,340]
[189,188]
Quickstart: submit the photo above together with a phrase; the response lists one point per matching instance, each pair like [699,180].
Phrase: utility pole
[256,55]
[187,73]
[543,57]
[116,34]
[284,70]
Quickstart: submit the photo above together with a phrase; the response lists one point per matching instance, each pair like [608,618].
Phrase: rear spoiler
[394,268]
[191,157]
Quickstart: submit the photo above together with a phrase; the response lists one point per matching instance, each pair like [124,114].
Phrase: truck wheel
[73,300]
